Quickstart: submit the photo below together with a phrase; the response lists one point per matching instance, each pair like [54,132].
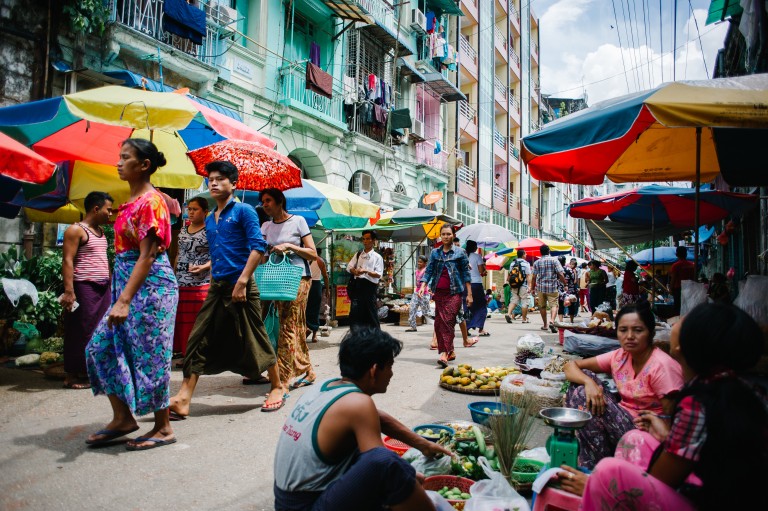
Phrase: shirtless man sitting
[330,455]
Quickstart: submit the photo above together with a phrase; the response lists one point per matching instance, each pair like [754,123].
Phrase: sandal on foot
[274,406]
[509,319]
[442,363]
[471,342]
[301,382]
[155,442]
[525,321]
[77,386]
[484,334]
[452,356]
[544,328]
[552,328]
[110,435]
[176,416]
[411,330]
[432,347]
[261,380]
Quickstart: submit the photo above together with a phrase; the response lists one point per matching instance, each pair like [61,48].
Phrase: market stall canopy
[651,136]
[20,163]
[412,225]
[532,247]
[660,255]
[601,232]
[320,204]
[485,235]
[663,206]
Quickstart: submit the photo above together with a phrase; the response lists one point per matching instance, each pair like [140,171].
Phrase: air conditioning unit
[418,21]
[362,186]
[224,16]
[418,129]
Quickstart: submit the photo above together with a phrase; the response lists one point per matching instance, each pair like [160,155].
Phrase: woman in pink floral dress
[129,355]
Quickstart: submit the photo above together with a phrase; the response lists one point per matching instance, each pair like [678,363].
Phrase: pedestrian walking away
[446,275]
[85,272]
[547,271]
[519,281]
[320,289]
[419,303]
[479,310]
[289,234]
[229,333]
[129,355]
[330,454]
[366,267]
[193,272]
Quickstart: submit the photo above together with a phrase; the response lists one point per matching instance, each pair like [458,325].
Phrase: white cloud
[580,51]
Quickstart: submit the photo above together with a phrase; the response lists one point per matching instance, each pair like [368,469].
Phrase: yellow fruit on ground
[472,377]
[447,371]
[444,378]
[484,387]
[465,381]
[451,380]
[471,386]
[491,384]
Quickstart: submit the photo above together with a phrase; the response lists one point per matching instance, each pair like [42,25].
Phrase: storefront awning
[349,10]
[447,7]
[133,80]
[721,9]
[408,69]
[440,85]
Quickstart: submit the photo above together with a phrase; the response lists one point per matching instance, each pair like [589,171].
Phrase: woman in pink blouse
[644,376]
[713,452]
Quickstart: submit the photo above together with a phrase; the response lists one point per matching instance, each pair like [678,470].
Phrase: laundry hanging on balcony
[314,53]
[318,81]
[184,20]
[401,119]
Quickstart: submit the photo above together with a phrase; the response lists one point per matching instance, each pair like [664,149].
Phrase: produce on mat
[484,378]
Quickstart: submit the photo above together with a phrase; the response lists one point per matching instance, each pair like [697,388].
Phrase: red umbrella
[259,167]
[532,247]
[23,164]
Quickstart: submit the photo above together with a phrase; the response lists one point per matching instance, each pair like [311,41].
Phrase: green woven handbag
[278,281]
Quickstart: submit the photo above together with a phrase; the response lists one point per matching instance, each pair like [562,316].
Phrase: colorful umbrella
[652,136]
[485,235]
[532,247]
[662,205]
[22,164]
[334,207]
[259,167]
[86,128]
[497,262]
[412,225]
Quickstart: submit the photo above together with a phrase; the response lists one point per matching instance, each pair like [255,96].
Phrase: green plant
[45,271]
[45,315]
[11,266]
[87,16]
[109,232]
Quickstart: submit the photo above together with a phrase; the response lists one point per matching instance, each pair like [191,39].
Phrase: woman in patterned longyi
[129,355]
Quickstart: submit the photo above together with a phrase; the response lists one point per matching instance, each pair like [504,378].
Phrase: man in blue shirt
[229,333]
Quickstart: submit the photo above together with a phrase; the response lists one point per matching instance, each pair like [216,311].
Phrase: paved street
[224,454]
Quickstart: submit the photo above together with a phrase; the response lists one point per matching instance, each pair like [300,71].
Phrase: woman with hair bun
[129,355]
[644,376]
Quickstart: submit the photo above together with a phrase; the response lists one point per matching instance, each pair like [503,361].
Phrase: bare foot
[179,406]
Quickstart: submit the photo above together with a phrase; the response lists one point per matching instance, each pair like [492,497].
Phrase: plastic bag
[16,288]
[691,295]
[439,501]
[543,388]
[494,494]
[514,383]
[588,345]
[437,466]
[752,300]
[531,342]
[537,453]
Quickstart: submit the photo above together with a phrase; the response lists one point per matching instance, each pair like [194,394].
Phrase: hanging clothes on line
[314,53]
[318,81]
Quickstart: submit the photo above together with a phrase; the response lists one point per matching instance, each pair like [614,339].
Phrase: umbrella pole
[697,206]
[409,257]
[653,256]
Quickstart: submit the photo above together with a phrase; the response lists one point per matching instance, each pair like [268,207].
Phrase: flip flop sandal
[77,386]
[155,442]
[553,329]
[544,328]
[175,416]
[433,347]
[525,321]
[471,343]
[303,382]
[110,435]
[273,407]
[484,334]
[452,356]
[261,380]
[442,363]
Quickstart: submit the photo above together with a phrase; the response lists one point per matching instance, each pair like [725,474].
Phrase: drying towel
[184,20]
[314,53]
[319,81]
[401,119]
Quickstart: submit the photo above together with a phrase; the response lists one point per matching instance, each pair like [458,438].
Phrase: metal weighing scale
[562,445]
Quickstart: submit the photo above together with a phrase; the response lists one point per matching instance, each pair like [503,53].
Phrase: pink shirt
[660,376]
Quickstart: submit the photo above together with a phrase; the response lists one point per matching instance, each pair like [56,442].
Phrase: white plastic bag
[437,466]
[494,494]
[532,342]
[691,294]
[16,288]
[439,501]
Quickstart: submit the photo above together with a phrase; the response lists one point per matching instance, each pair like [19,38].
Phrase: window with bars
[367,56]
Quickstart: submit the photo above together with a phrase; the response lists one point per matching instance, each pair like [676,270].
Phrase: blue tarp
[184,20]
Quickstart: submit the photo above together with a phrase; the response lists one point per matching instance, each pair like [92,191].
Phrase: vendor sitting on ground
[644,376]
[712,453]
[330,455]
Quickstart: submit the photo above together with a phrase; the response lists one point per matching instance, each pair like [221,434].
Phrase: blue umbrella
[663,255]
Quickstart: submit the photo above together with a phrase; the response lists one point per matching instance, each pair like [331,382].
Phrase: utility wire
[701,45]
[621,49]
[661,42]
[647,31]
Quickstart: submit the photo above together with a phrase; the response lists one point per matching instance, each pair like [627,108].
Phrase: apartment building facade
[499,75]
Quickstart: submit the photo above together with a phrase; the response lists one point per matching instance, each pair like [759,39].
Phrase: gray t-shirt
[290,230]
[475,260]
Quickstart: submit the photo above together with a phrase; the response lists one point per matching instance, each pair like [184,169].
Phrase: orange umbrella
[259,167]
[23,164]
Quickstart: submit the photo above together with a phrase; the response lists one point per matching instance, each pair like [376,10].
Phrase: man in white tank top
[85,271]
[330,454]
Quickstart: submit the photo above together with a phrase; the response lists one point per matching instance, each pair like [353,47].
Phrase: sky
[580,51]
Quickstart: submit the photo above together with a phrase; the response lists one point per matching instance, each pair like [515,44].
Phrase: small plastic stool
[553,499]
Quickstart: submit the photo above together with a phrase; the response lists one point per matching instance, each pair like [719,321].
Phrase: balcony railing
[425,154]
[146,16]
[500,88]
[514,152]
[535,126]
[514,201]
[382,12]
[466,175]
[513,56]
[467,111]
[514,104]
[466,47]
[499,194]
[534,49]
[500,39]
[513,11]
[294,87]
[499,139]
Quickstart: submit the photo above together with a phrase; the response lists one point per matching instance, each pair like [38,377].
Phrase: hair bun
[161,159]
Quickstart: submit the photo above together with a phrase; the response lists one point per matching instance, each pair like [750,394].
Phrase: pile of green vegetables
[453,493]
[467,452]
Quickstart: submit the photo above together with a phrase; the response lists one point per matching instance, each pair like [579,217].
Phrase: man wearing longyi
[330,455]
